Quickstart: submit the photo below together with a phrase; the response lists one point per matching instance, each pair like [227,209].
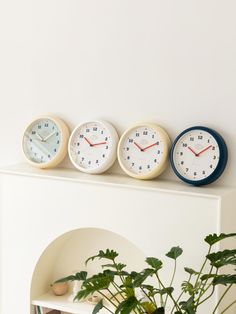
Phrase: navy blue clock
[199,155]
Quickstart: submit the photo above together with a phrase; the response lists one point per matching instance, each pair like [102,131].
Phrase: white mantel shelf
[60,303]
[51,224]
[116,180]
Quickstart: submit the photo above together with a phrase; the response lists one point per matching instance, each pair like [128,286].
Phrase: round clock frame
[110,158]
[161,166]
[62,150]
[222,162]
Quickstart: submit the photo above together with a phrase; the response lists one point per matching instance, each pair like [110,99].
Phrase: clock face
[44,142]
[199,155]
[143,151]
[92,146]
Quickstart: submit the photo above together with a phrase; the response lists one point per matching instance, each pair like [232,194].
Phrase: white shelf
[115,180]
[61,303]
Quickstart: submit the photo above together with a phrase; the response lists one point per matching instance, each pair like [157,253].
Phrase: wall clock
[45,141]
[199,155]
[143,151]
[92,146]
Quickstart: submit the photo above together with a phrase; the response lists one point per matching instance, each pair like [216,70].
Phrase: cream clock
[143,151]
[45,141]
[92,146]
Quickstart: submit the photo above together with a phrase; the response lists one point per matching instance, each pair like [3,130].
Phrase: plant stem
[221,298]
[228,307]
[152,300]
[121,277]
[203,265]
[176,304]
[172,279]
[107,309]
[113,295]
[108,299]
[119,291]
[212,292]
[161,297]
[190,276]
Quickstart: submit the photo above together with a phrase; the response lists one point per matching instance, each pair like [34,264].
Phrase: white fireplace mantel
[40,206]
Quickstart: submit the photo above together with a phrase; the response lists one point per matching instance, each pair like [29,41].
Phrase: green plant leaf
[222,258]
[98,282]
[224,280]
[78,276]
[154,263]
[98,307]
[188,306]
[207,276]
[187,287]
[214,238]
[191,271]
[118,266]
[82,294]
[167,290]
[142,276]
[108,254]
[127,306]
[175,252]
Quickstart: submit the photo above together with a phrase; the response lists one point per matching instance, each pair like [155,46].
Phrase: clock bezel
[111,158]
[223,157]
[62,151]
[159,169]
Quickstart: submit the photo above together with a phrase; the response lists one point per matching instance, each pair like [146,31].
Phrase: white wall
[173,62]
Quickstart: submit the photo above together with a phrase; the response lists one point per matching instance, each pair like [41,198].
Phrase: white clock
[143,151]
[45,141]
[92,146]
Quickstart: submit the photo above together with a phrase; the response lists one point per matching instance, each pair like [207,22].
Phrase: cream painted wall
[173,62]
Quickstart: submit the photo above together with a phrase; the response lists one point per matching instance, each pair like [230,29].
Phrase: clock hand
[39,136]
[150,146]
[139,146]
[90,144]
[202,151]
[192,151]
[99,143]
[47,137]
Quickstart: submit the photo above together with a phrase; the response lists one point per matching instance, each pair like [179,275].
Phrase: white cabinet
[42,211]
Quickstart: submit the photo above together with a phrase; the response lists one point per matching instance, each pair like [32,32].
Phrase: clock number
[95,129]
[185,144]
[191,139]
[131,140]
[145,132]
[137,134]
[200,137]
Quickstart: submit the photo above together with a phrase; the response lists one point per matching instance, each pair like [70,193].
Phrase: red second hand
[150,146]
[99,143]
[202,151]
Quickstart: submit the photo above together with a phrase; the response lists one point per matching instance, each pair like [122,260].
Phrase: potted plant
[123,292]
